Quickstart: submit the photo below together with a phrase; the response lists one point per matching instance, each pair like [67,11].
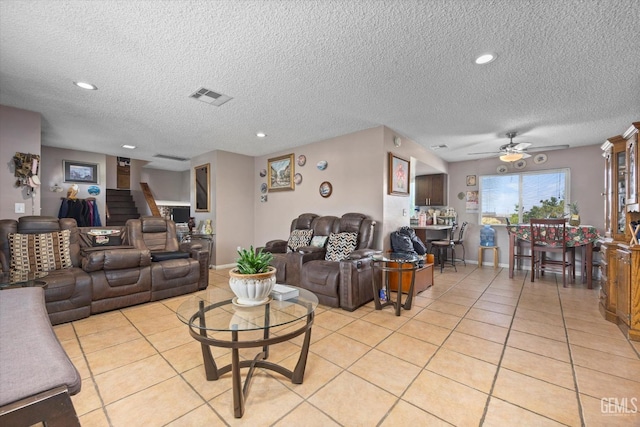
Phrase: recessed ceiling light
[130,147]
[485,59]
[261,135]
[87,86]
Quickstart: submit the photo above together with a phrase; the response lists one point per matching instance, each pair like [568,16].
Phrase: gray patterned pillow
[40,252]
[299,239]
[340,246]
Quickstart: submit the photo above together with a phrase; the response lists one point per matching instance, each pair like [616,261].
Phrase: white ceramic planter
[252,289]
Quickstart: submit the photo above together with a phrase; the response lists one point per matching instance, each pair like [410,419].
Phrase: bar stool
[442,246]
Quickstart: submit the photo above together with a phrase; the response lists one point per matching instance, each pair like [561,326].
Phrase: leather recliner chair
[175,269]
[68,291]
[347,283]
[282,261]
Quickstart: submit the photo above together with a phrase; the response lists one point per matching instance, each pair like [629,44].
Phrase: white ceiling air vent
[164,156]
[439,147]
[210,97]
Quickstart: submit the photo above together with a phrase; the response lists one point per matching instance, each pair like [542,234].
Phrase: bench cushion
[31,357]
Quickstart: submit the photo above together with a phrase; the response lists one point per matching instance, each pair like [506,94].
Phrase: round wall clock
[502,169]
[539,158]
[325,189]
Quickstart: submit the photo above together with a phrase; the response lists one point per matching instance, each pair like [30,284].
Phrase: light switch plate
[19,207]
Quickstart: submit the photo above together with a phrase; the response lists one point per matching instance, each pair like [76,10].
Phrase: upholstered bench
[37,377]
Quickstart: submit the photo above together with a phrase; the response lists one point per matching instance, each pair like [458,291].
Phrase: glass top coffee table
[22,279]
[210,320]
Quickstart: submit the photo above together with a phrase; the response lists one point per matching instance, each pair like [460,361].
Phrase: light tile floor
[477,348]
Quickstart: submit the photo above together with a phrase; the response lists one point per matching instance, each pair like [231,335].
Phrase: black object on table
[381,263]
[206,315]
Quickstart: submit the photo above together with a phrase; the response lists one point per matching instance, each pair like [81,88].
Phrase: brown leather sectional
[149,265]
[347,283]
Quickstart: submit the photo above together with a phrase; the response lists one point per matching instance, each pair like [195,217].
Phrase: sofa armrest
[276,246]
[116,259]
[356,276]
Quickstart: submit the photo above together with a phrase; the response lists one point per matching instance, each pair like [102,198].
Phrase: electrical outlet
[404,212]
[19,207]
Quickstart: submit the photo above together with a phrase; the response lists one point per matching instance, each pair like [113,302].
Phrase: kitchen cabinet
[620,266]
[431,190]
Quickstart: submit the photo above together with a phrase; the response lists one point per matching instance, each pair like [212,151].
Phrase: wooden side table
[495,255]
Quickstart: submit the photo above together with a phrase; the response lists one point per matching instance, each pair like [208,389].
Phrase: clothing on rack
[84,211]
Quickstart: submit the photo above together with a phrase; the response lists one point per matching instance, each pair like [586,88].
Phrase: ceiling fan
[513,152]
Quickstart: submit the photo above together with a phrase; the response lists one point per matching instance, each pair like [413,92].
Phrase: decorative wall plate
[263,173]
[93,190]
[520,164]
[297,178]
[502,169]
[461,195]
[263,187]
[302,160]
[322,165]
[325,189]
[539,158]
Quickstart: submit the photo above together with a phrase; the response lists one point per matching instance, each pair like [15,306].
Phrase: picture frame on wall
[471,180]
[281,171]
[399,173]
[80,172]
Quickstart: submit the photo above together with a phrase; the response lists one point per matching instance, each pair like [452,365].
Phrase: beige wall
[587,184]
[53,173]
[19,131]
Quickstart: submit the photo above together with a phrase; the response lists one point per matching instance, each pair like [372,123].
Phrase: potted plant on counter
[574,217]
[253,278]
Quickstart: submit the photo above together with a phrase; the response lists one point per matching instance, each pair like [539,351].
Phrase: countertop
[432,227]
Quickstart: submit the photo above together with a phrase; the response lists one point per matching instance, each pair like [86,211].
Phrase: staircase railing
[148,196]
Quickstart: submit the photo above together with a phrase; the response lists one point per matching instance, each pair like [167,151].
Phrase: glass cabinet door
[632,171]
[621,168]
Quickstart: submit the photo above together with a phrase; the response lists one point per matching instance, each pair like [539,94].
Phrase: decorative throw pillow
[40,252]
[299,239]
[319,241]
[340,246]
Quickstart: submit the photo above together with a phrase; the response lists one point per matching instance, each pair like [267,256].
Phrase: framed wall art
[80,172]
[471,180]
[399,172]
[281,172]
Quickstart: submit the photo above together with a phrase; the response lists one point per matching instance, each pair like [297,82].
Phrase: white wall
[170,186]
[587,184]
[19,131]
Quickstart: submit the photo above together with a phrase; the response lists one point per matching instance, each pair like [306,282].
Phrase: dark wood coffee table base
[240,391]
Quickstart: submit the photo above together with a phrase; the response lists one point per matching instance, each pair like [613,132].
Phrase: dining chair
[519,249]
[550,236]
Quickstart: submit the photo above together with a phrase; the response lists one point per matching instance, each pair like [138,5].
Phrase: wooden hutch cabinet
[620,265]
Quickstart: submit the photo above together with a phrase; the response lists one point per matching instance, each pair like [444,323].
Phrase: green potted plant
[253,278]
[574,217]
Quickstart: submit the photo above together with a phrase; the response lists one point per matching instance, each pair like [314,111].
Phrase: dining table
[583,236]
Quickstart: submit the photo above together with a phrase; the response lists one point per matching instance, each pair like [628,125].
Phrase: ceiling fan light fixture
[511,157]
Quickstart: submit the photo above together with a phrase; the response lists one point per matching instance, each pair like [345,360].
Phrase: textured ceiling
[302,71]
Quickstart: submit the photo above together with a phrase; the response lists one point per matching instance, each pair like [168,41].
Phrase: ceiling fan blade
[521,146]
[487,152]
[525,155]
[547,148]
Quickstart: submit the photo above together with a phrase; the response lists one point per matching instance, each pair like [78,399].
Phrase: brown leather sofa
[282,258]
[68,292]
[346,283]
[174,270]
[111,277]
